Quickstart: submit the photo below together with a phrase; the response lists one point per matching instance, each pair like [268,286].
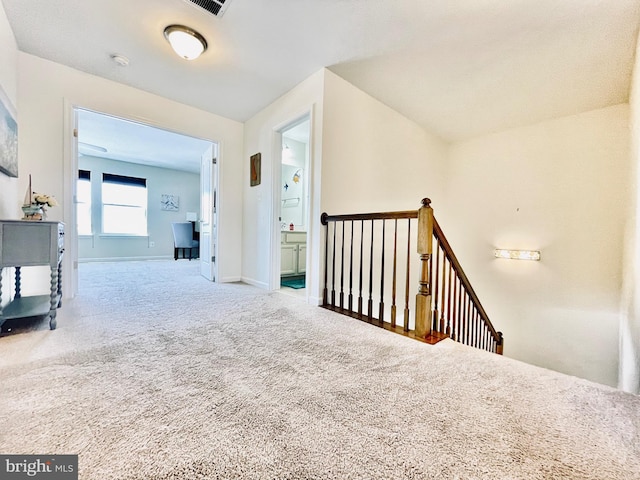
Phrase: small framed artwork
[8,137]
[170,203]
[254,168]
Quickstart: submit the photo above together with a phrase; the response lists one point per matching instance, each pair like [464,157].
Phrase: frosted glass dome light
[186,42]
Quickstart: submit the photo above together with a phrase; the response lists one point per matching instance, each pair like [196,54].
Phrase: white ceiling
[299,132]
[117,139]
[460,68]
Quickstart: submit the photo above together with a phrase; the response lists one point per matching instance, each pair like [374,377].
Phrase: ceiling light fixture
[185,41]
[288,156]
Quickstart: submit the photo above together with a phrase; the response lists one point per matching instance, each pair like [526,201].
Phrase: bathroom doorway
[294,206]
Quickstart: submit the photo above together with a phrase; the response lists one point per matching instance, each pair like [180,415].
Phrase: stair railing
[358,250]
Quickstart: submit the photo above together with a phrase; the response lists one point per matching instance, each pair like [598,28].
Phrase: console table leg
[54,298]
[1,321]
[18,283]
[59,284]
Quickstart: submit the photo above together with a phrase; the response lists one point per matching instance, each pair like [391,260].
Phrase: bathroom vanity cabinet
[293,259]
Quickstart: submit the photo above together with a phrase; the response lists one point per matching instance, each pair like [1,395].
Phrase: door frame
[276,196]
[70,169]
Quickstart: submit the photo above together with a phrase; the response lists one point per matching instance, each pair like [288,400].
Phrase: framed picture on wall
[8,136]
[170,203]
[254,169]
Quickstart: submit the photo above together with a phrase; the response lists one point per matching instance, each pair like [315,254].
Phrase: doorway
[166,168]
[294,205]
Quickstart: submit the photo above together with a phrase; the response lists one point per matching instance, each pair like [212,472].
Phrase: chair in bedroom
[183,239]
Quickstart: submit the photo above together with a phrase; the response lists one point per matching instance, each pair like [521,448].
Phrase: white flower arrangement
[42,199]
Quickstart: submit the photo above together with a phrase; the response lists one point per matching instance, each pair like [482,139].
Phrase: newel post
[500,344]
[425,245]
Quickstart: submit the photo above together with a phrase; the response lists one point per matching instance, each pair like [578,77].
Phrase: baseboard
[124,259]
[255,283]
[230,279]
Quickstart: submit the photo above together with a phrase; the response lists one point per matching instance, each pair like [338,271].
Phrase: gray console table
[28,244]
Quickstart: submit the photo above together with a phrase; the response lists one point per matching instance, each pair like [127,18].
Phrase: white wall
[261,228]
[373,158]
[364,157]
[629,378]
[159,242]
[47,90]
[559,186]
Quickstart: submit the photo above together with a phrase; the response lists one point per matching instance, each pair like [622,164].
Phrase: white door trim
[70,169]
[274,237]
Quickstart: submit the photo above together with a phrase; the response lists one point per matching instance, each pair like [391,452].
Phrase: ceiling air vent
[215,7]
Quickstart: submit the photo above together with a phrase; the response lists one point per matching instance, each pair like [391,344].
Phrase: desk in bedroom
[29,244]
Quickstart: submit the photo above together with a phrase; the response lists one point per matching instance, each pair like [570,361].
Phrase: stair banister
[444,243]
[446,304]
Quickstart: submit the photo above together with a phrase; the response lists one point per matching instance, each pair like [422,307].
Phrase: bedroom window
[124,205]
[83,202]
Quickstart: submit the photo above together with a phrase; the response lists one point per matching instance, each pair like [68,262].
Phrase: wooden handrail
[325,219]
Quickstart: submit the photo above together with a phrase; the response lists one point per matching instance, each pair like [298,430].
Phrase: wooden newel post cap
[323,218]
[426,202]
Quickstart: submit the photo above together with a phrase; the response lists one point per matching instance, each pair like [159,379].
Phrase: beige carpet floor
[154,373]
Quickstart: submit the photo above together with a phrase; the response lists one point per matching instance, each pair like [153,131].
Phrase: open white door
[208,220]
[71,185]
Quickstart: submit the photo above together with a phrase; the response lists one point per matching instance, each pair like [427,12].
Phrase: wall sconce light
[517,254]
[185,41]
